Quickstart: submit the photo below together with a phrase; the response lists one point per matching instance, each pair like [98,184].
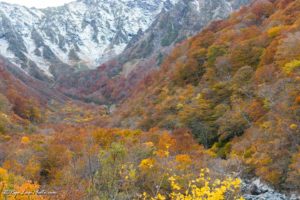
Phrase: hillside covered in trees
[223,108]
[235,88]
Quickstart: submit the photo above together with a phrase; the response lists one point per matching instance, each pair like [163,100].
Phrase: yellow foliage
[294,169]
[266,125]
[147,164]
[293,126]
[103,137]
[291,66]
[174,185]
[132,174]
[275,31]
[27,191]
[179,106]
[183,160]
[297,100]
[268,174]
[166,141]
[25,140]
[202,189]
[211,152]
[3,175]
[162,153]
[22,191]
[149,144]
[264,161]
[32,169]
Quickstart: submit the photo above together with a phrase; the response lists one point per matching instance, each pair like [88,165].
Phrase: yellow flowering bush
[147,163]
[201,188]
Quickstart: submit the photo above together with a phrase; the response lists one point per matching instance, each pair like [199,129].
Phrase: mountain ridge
[144,53]
[79,35]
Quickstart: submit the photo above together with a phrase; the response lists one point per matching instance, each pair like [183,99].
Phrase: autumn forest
[223,107]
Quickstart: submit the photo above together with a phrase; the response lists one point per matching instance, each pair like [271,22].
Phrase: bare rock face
[147,49]
[46,43]
[183,20]
[257,190]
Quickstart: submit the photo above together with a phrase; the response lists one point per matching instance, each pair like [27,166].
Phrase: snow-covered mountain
[47,43]
[180,22]
[116,79]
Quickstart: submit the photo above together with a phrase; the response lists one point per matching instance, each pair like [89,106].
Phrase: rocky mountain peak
[80,35]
